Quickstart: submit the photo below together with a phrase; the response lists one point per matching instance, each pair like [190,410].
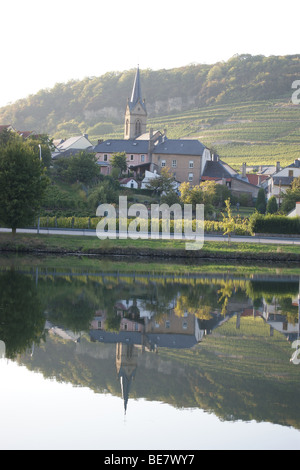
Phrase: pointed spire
[136,96]
[136,91]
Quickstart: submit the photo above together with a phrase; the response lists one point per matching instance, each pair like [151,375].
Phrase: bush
[275,224]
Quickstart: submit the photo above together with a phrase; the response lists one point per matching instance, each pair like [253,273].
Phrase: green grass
[92,245]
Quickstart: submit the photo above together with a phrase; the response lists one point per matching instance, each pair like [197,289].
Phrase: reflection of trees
[21,315]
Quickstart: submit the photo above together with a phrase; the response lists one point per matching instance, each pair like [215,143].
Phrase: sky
[49,42]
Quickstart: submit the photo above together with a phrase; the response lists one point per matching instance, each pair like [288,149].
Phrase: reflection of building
[126,363]
[274,316]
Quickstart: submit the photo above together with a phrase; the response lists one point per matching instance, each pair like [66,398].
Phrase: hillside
[242,107]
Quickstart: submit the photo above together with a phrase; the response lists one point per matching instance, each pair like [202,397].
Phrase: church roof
[136,96]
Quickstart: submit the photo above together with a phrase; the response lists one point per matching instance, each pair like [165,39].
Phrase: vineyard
[259,133]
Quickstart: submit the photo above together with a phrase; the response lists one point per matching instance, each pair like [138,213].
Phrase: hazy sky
[48,42]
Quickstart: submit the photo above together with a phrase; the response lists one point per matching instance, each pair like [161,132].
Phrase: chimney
[244,170]
[100,141]
[259,180]
[277,167]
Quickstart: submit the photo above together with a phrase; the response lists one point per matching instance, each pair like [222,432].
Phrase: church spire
[136,91]
[136,112]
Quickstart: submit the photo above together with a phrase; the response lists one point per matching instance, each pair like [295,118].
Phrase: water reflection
[222,343]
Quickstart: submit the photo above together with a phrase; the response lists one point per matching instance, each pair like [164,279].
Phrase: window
[191,165]
[291,173]
[184,325]
[142,158]
[174,163]
[167,324]
[99,325]
[191,176]
[105,158]
[131,157]
[138,127]
[163,163]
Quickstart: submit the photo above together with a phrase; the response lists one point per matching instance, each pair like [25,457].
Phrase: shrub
[275,224]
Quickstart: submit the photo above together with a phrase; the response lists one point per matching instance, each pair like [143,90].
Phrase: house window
[142,158]
[105,158]
[163,163]
[131,157]
[167,324]
[191,165]
[191,176]
[184,325]
[174,163]
[291,174]
[99,325]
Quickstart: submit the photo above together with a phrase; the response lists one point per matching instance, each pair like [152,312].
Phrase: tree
[272,206]
[119,161]
[291,196]
[21,315]
[22,184]
[228,220]
[163,183]
[43,145]
[261,203]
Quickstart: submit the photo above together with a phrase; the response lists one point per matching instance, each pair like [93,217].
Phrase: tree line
[80,106]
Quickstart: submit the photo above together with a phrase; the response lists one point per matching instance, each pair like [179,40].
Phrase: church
[152,150]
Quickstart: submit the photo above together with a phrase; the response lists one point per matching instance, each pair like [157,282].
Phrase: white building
[72,146]
[280,181]
[129,183]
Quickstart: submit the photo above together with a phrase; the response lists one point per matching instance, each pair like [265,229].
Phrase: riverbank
[155,249]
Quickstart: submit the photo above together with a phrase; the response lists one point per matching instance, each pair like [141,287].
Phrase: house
[137,154]
[186,158]
[150,151]
[7,127]
[72,146]
[220,172]
[129,183]
[282,180]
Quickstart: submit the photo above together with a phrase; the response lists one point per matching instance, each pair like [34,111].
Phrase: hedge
[275,224]
[86,223]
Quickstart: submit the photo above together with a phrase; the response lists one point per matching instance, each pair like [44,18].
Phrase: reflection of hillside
[238,373]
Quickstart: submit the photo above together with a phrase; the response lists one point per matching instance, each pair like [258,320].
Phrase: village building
[220,172]
[72,146]
[152,150]
[129,183]
[282,180]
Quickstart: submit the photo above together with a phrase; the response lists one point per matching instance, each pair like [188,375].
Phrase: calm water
[111,355]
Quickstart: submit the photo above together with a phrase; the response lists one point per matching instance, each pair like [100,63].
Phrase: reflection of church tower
[136,113]
[126,363]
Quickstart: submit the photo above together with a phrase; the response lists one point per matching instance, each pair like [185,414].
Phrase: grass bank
[156,249]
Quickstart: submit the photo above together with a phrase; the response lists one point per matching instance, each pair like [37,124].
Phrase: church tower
[136,112]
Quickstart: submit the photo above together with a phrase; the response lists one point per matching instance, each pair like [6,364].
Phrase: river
[115,355]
